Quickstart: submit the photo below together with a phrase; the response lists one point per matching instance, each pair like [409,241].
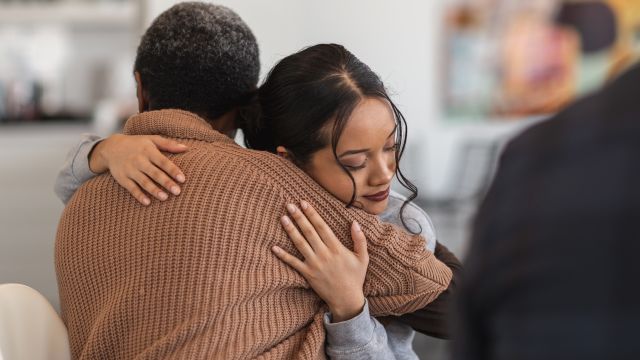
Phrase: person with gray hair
[208,70]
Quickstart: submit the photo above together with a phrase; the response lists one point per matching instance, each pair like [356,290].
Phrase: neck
[225,124]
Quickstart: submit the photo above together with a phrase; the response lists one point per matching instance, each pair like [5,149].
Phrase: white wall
[398,39]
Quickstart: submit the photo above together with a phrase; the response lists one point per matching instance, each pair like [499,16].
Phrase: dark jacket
[554,267]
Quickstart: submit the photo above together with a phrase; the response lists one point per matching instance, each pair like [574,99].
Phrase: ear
[283,152]
[143,102]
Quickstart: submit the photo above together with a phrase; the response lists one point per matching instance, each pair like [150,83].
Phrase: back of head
[198,57]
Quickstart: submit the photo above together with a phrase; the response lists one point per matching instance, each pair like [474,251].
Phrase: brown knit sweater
[194,277]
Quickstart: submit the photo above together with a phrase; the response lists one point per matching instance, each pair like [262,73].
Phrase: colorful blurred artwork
[518,58]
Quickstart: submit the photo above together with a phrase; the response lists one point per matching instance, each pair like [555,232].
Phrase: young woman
[328,113]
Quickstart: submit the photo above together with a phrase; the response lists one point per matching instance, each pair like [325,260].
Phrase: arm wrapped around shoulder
[402,277]
[433,320]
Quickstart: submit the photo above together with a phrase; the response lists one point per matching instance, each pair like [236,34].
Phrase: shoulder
[214,166]
[281,175]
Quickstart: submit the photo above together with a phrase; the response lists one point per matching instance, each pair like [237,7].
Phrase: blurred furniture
[30,329]
[473,171]
[59,59]
[470,175]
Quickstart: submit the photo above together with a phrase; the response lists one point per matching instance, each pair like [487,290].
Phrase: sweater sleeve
[362,337]
[75,170]
[402,276]
[433,320]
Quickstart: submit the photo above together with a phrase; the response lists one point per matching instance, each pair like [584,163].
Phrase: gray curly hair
[198,57]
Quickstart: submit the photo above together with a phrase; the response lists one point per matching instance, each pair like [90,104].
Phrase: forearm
[434,319]
[75,170]
[362,337]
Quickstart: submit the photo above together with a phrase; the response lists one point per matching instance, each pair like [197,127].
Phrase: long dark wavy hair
[306,91]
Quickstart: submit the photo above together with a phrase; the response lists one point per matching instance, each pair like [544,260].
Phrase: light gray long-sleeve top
[362,337]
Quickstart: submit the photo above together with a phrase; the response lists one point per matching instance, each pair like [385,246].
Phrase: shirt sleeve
[362,337]
[75,170]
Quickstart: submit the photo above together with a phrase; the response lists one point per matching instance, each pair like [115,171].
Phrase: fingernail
[304,204]
[175,190]
[180,178]
[291,208]
[285,220]
[276,249]
[356,226]
[163,196]
[146,201]
[182,146]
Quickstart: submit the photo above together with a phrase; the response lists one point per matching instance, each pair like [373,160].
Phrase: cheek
[361,179]
[338,184]
[343,187]
[391,161]
[333,179]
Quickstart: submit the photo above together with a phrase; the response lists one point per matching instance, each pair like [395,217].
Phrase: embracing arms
[136,162]
[135,180]
[75,170]
[435,318]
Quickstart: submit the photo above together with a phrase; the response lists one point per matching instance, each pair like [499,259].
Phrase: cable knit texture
[194,277]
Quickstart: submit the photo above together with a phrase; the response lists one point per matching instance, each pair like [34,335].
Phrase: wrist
[347,310]
[97,161]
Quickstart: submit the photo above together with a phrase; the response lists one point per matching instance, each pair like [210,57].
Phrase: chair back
[30,328]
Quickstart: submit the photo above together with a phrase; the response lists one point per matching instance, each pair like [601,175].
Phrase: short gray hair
[198,57]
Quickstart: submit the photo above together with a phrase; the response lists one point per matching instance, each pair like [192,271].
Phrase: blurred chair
[472,174]
[30,328]
[468,181]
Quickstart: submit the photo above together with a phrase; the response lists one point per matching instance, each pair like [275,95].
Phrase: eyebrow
[358,151]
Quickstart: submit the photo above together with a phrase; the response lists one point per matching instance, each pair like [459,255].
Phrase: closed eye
[355,167]
[393,147]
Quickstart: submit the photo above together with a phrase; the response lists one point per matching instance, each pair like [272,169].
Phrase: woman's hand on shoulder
[333,271]
[137,164]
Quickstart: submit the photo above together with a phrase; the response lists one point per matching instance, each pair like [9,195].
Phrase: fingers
[160,177]
[167,166]
[169,145]
[359,241]
[290,260]
[298,240]
[149,186]
[319,225]
[307,228]
[162,161]
[135,190]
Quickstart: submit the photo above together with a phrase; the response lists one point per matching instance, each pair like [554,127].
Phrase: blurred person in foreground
[552,267]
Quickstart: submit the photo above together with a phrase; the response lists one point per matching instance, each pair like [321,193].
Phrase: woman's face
[367,149]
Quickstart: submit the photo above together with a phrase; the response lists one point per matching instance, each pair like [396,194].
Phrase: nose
[383,171]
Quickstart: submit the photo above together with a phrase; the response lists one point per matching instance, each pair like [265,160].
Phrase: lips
[382,195]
